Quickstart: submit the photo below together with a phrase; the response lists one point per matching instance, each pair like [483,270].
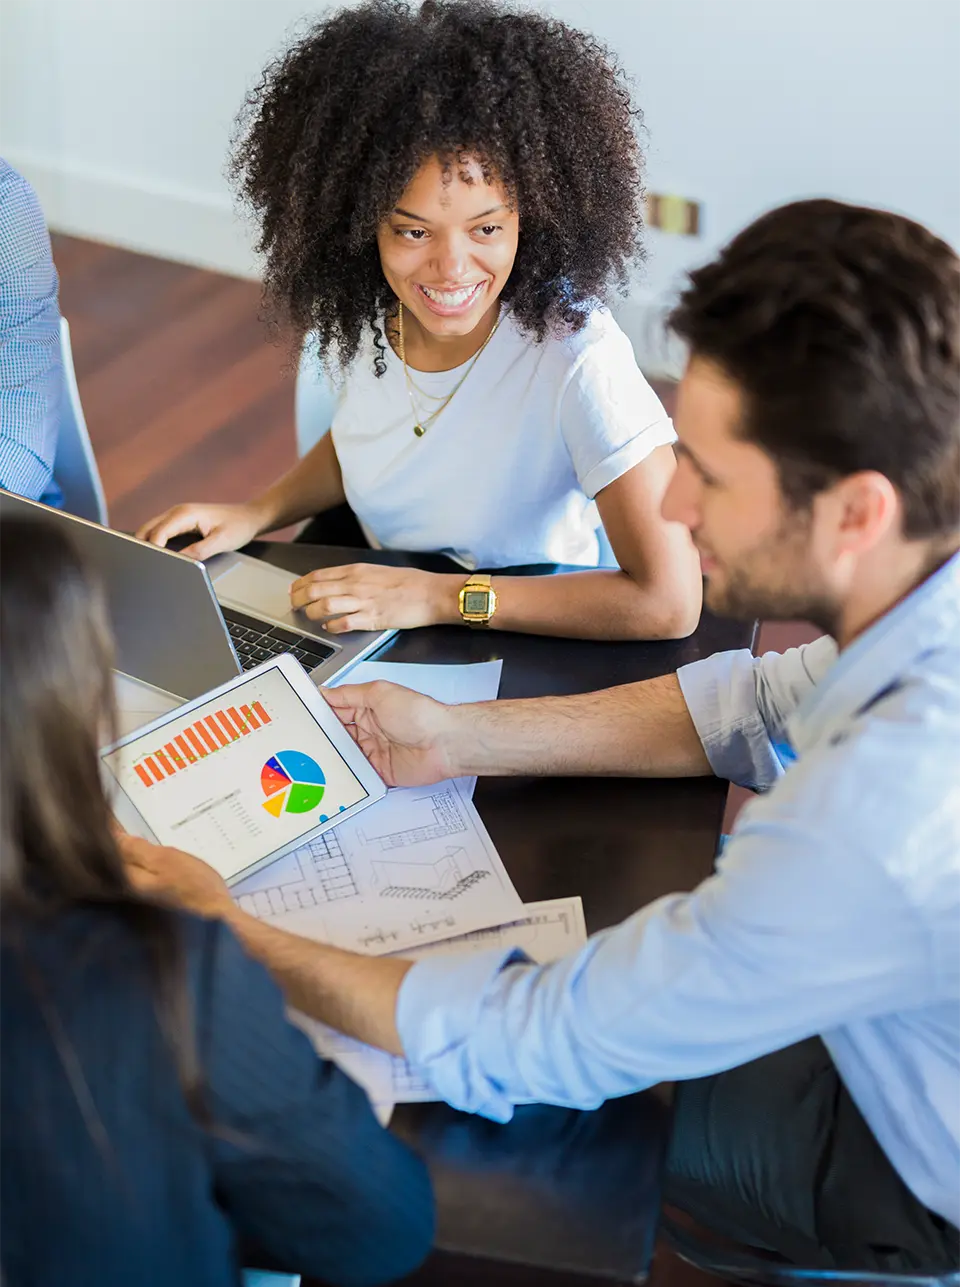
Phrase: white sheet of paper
[479,682]
[416,867]
[547,931]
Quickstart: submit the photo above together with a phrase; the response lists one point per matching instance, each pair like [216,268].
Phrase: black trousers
[775,1155]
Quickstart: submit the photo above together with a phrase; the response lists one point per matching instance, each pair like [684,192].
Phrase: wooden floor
[184,394]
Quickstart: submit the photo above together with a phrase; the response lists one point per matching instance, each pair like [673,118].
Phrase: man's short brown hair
[841,326]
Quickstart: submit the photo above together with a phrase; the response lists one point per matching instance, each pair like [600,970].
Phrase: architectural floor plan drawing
[546,931]
[446,877]
[416,867]
[317,873]
[434,815]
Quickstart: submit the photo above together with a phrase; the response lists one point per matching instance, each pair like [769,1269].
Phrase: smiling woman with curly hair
[446,195]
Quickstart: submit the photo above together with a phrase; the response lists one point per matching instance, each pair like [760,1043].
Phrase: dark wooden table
[556,1190]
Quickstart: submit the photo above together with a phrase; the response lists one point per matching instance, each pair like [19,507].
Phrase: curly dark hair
[339,125]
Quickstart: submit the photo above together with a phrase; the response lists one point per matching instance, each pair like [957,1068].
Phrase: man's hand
[365,596]
[175,877]
[408,738]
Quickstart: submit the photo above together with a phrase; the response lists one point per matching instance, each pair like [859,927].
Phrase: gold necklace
[422,423]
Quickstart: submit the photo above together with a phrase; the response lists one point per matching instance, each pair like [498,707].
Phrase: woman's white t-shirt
[507,473]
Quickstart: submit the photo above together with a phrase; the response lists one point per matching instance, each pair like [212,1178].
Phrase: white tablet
[243,774]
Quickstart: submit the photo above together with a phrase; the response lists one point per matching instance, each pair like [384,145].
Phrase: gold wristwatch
[478,600]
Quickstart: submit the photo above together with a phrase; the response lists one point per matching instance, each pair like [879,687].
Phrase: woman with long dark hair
[446,195]
[157,1109]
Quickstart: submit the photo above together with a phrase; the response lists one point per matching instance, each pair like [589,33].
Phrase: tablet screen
[238,777]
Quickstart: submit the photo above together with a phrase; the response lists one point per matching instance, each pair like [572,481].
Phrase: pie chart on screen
[292,782]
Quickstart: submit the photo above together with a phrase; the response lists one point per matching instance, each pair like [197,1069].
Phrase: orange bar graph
[217,732]
[211,733]
[202,732]
[190,734]
[152,766]
[227,727]
[237,719]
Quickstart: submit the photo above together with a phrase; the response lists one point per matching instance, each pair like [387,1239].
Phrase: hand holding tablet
[242,775]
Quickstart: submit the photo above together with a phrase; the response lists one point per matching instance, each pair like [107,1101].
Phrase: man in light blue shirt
[807,995]
[31,372]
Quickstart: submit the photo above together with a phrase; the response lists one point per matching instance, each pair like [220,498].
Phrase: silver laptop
[186,627]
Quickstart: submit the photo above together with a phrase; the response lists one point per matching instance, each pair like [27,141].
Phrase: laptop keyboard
[255,641]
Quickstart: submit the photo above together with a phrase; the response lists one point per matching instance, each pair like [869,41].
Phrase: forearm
[597,604]
[601,604]
[313,485]
[637,730]
[355,994]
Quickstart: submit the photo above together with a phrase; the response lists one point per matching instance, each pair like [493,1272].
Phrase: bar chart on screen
[238,777]
[203,737]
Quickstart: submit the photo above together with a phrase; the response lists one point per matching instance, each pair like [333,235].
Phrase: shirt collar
[926,621]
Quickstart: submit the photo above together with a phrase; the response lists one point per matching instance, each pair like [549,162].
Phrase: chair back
[75,466]
[315,399]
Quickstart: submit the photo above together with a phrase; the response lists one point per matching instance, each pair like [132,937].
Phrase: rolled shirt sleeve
[610,417]
[740,705]
[31,372]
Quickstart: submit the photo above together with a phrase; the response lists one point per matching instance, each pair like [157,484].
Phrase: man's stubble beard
[775,581]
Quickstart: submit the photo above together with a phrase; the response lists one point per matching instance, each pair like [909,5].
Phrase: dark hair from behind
[339,125]
[57,847]
[840,325]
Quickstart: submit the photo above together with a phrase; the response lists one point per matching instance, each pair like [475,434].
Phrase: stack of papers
[416,867]
[546,931]
[413,874]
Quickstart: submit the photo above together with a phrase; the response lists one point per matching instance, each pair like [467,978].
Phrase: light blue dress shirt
[31,373]
[834,910]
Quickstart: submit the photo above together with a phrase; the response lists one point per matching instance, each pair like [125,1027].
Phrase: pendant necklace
[422,423]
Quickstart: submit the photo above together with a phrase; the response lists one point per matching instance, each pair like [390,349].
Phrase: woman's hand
[222,527]
[173,876]
[366,596]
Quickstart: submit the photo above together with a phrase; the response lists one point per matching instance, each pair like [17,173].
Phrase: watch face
[476,601]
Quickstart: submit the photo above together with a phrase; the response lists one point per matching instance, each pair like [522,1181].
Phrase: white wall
[751,103]
[121,110]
